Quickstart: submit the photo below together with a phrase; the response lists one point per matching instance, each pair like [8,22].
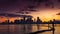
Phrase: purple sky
[26,6]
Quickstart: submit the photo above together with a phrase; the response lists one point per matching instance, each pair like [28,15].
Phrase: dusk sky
[45,9]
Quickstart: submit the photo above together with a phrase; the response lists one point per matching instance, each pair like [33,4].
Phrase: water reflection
[27,28]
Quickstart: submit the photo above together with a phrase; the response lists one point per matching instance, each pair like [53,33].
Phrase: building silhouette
[38,21]
[29,20]
[16,21]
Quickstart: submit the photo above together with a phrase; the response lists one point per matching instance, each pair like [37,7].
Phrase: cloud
[2,14]
[14,15]
[58,14]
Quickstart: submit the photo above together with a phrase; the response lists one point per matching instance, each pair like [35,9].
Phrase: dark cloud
[58,14]
[58,0]
[2,14]
[14,15]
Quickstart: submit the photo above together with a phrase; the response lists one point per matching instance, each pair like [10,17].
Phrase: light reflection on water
[26,28]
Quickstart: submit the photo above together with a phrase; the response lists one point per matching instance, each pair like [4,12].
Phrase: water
[27,28]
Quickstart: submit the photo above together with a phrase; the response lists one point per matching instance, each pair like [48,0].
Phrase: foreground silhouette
[42,31]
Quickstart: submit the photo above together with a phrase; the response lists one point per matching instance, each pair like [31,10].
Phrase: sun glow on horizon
[47,14]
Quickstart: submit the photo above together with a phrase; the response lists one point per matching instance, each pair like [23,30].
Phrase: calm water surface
[27,28]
